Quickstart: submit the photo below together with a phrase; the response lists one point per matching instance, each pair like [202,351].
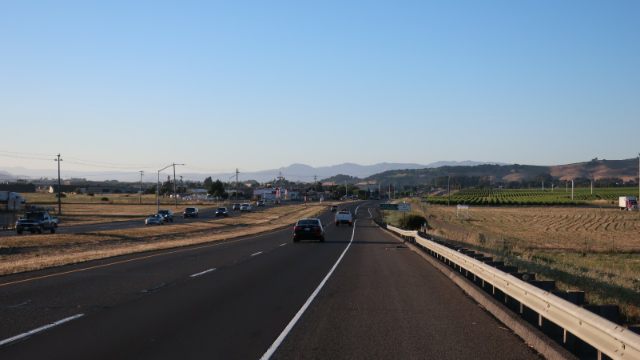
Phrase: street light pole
[158,187]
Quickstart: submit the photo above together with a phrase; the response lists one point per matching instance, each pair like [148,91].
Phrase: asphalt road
[236,299]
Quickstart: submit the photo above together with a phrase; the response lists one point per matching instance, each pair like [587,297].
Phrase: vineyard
[557,196]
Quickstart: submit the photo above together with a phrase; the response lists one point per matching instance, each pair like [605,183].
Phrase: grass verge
[594,250]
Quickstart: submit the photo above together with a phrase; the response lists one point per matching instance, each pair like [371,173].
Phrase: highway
[205,214]
[359,295]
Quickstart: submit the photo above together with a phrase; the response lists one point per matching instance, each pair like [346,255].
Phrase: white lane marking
[256,254]
[283,244]
[272,349]
[369,210]
[202,273]
[40,329]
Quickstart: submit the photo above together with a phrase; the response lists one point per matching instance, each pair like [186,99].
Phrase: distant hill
[6,176]
[625,170]
[399,173]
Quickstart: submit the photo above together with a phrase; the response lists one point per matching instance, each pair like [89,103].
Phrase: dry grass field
[32,252]
[84,209]
[592,249]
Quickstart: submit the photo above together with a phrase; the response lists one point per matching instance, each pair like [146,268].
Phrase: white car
[344,217]
[246,207]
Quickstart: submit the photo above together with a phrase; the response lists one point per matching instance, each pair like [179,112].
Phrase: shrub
[104,199]
[413,222]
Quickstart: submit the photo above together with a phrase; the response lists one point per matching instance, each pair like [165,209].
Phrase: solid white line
[202,273]
[256,254]
[283,244]
[272,349]
[40,329]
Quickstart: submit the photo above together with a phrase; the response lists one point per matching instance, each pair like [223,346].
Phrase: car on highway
[246,207]
[155,219]
[308,229]
[36,222]
[259,203]
[222,211]
[334,208]
[235,207]
[167,215]
[344,217]
[191,212]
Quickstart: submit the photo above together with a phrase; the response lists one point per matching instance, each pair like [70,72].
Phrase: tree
[207,182]
[217,189]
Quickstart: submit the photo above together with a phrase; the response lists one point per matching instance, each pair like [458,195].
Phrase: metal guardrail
[611,339]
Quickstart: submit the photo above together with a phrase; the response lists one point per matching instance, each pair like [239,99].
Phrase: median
[34,252]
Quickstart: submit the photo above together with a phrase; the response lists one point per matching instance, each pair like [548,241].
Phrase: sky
[133,85]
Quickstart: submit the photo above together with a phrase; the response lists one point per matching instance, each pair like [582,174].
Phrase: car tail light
[297,228]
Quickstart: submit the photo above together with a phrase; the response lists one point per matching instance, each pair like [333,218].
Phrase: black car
[235,207]
[167,215]
[222,211]
[310,229]
[190,212]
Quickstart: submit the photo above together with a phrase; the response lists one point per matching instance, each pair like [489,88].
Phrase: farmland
[558,196]
[588,248]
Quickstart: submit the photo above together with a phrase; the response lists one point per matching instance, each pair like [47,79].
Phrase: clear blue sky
[263,84]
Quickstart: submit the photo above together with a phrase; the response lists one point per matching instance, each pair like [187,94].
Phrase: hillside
[625,170]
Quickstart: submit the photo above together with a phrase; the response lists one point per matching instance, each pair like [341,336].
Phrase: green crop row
[557,196]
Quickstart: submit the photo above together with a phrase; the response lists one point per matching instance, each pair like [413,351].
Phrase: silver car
[155,219]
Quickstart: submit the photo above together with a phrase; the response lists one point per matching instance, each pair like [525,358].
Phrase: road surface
[359,295]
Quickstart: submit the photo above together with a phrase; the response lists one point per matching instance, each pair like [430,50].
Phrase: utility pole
[175,195]
[448,190]
[237,172]
[572,189]
[59,186]
[346,189]
[141,173]
[591,187]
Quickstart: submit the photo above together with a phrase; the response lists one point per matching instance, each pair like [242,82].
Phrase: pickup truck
[36,222]
[344,217]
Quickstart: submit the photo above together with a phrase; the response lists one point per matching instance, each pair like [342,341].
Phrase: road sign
[389,207]
[404,207]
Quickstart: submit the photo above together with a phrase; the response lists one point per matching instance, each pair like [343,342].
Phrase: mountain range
[293,172]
